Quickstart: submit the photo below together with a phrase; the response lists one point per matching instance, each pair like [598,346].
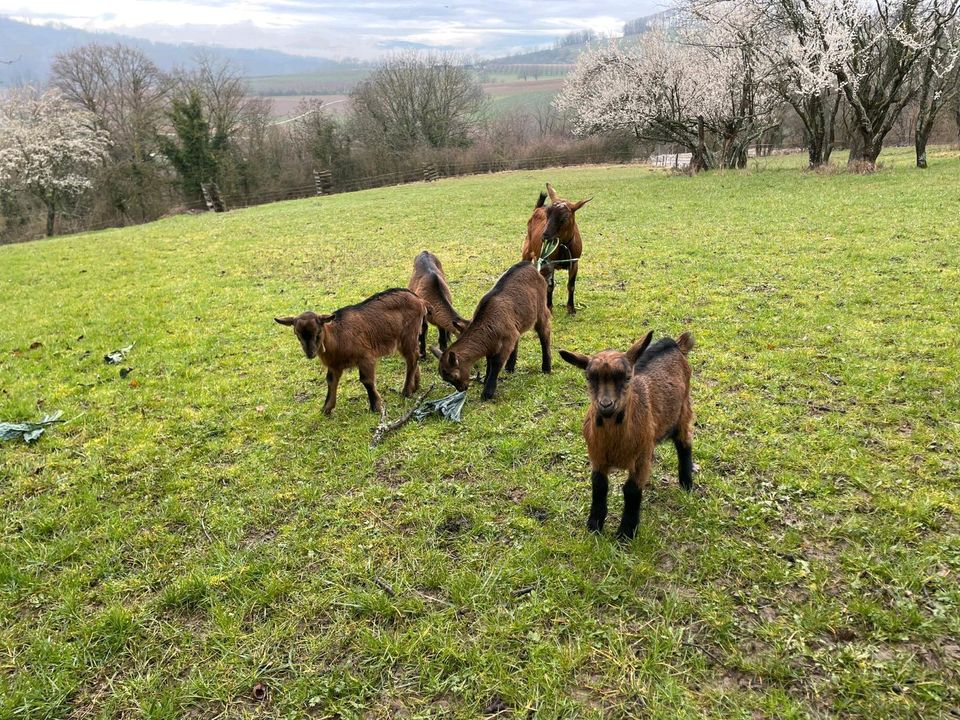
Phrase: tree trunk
[866,151]
[51,219]
[699,160]
[920,143]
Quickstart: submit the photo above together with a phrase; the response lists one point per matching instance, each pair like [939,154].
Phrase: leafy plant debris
[116,357]
[29,431]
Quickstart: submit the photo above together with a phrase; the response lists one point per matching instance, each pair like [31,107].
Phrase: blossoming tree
[48,148]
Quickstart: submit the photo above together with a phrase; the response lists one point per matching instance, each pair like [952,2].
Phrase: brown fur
[430,284]
[638,399]
[555,221]
[517,303]
[357,335]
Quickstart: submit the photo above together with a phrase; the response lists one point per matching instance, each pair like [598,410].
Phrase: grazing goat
[556,221]
[515,304]
[357,335]
[430,285]
[638,399]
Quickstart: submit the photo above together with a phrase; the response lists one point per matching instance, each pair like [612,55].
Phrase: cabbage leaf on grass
[29,431]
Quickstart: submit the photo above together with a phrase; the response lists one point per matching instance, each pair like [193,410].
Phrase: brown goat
[556,221]
[357,335]
[516,303]
[638,399]
[430,285]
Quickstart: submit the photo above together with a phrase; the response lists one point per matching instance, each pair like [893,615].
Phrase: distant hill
[33,47]
[566,53]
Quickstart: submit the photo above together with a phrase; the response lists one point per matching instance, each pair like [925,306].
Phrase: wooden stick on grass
[384,427]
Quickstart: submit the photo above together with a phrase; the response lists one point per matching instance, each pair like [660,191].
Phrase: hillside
[33,47]
[197,540]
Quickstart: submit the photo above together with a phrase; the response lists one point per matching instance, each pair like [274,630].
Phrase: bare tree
[414,100]
[125,94]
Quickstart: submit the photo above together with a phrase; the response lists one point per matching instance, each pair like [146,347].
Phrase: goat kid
[430,285]
[556,221]
[516,303]
[357,335]
[638,399]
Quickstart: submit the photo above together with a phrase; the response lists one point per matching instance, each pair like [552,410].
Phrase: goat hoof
[594,526]
[327,410]
[687,485]
[625,535]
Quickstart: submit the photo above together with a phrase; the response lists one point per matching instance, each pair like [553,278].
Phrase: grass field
[198,527]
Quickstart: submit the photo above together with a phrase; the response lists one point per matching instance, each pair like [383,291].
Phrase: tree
[49,148]
[126,93]
[938,79]
[416,100]
[806,41]
[319,136]
[707,94]
[195,153]
[877,70]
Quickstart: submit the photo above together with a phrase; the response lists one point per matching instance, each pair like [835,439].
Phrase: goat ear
[461,325]
[285,320]
[634,353]
[321,319]
[580,203]
[552,193]
[454,360]
[575,359]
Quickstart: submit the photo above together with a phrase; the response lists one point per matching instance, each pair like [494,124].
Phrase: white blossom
[48,146]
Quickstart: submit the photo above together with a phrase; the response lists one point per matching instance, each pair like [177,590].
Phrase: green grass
[199,526]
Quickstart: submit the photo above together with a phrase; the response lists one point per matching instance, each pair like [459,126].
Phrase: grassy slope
[204,528]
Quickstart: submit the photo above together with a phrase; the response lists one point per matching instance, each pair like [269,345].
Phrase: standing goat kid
[637,399]
[430,284]
[357,335]
[515,304]
[556,221]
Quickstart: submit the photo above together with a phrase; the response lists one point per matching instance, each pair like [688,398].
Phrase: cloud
[328,28]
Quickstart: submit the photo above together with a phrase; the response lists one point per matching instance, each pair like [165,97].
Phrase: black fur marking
[541,200]
[599,421]
[598,503]
[620,416]
[632,495]
[655,352]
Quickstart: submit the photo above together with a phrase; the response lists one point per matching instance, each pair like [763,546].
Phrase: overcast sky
[363,28]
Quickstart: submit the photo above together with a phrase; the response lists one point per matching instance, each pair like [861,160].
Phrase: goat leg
[512,360]
[368,376]
[494,363]
[333,379]
[598,504]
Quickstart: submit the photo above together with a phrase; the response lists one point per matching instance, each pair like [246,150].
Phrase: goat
[430,285]
[357,335]
[638,399]
[556,221]
[516,303]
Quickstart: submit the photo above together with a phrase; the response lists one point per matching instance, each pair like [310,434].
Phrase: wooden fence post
[430,172]
[323,179]
[211,196]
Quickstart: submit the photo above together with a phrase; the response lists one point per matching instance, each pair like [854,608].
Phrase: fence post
[430,172]
[323,180]
[211,196]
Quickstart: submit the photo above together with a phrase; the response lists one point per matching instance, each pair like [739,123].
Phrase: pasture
[199,541]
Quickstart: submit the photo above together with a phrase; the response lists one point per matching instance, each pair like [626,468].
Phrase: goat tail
[541,200]
[685,343]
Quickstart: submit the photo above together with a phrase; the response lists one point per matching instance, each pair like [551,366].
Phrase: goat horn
[436,351]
